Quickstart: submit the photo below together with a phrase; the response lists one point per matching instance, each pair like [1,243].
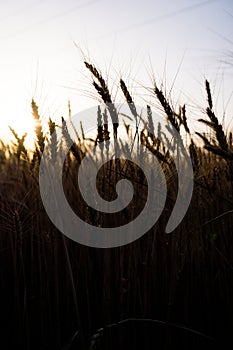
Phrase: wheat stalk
[20,147]
[130,101]
[103,91]
[38,129]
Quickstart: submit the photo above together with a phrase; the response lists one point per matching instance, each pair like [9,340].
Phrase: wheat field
[161,291]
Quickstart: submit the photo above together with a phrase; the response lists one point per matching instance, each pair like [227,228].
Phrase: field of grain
[163,290]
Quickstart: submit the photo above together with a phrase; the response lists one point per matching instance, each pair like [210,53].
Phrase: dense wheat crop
[172,288]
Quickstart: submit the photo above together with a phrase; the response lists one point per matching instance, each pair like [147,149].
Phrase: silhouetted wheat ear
[103,91]
[53,141]
[3,149]
[184,119]
[129,100]
[194,156]
[100,130]
[214,125]
[106,131]
[151,129]
[209,96]
[159,136]
[215,149]
[167,108]
[20,148]
[230,140]
[38,128]
[76,151]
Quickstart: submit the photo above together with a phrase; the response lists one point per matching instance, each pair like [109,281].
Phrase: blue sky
[181,42]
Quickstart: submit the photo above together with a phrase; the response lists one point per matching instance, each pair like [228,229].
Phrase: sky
[44,42]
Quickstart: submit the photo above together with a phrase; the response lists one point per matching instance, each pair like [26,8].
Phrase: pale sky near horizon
[191,39]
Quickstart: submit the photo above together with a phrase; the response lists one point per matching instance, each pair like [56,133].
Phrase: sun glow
[20,120]
[39,59]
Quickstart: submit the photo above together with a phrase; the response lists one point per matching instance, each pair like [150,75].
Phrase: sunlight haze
[181,42]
